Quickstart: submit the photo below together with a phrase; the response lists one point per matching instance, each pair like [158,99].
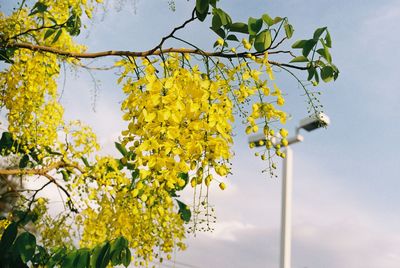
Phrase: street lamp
[309,123]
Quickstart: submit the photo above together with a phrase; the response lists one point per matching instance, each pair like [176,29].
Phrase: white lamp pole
[309,124]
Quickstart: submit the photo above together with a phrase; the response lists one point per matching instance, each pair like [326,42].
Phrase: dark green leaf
[299,44]
[308,46]
[58,34]
[117,247]
[202,6]
[56,258]
[25,245]
[48,33]
[39,7]
[299,59]
[213,3]
[311,72]
[202,15]
[316,77]
[126,257]
[223,16]
[216,22]
[220,33]
[318,33]
[69,259]
[184,211]
[74,24]
[83,258]
[232,37]
[263,41]
[121,148]
[327,73]
[41,257]
[100,256]
[24,161]
[239,27]
[8,237]
[288,30]
[6,55]
[254,25]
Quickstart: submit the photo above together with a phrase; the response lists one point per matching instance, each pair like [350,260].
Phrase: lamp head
[314,121]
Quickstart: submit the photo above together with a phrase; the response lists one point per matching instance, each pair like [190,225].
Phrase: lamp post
[309,123]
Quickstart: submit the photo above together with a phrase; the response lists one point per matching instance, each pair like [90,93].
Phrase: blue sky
[346,178]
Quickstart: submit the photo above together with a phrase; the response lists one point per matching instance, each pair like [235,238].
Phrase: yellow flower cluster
[180,122]
[150,230]
[34,113]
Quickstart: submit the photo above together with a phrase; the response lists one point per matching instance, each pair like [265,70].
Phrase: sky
[346,177]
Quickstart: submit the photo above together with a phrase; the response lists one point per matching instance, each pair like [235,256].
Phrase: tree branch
[141,53]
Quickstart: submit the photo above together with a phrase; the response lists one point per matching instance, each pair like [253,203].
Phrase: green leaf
[318,33]
[126,257]
[288,30]
[39,7]
[49,33]
[69,259]
[239,27]
[117,246]
[202,9]
[213,3]
[41,257]
[308,46]
[263,41]
[325,54]
[6,54]
[311,72]
[184,211]
[328,40]
[121,148]
[8,237]
[223,16]
[74,24]
[65,175]
[83,258]
[232,37]
[327,73]
[254,25]
[216,22]
[299,44]
[202,6]
[24,161]
[267,19]
[58,34]
[299,59]
[85,161]
[277,19]
[25,245]
[219,32]
[100,256]
[56,258]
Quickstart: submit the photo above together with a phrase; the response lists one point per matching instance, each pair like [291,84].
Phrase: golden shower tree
[180,105]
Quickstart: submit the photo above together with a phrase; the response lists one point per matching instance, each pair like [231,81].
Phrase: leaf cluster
[21,249]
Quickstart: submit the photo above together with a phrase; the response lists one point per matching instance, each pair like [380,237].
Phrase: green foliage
[19,250]
[184,211]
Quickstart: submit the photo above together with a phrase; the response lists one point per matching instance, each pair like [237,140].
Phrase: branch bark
[152,52]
